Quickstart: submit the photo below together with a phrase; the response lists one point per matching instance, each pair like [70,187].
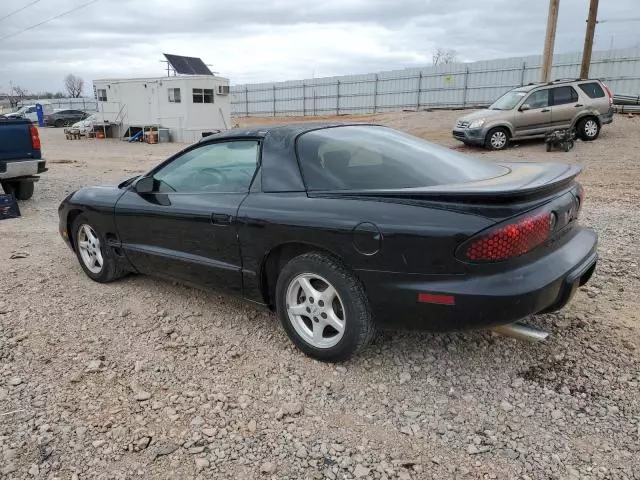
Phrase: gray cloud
[264,40]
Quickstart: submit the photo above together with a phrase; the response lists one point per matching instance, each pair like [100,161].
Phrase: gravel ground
[143,378]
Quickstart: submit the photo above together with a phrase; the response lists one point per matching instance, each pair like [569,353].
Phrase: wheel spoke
[328,295]
[333,320]
[83,244]
[317,332]
[300,309]
[307,287]
[98,257]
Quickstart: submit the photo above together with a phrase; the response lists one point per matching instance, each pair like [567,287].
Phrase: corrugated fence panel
[445,86]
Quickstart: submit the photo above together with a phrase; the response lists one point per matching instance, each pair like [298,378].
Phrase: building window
[174,95]
[202,95]
[102,95]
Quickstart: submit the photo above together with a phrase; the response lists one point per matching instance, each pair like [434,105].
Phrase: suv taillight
[609,94]
[510,240]
[35,137]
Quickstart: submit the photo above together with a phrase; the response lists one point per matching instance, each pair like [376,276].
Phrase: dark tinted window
[593,89]
[562,95]
[370,157]
[539,99]
[215,167]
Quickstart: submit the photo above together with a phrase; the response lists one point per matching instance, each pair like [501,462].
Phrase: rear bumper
[16,169]
[479,301]
[607,117]
[473,136]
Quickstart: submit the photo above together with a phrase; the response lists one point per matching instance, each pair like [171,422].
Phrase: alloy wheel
[498,139]
[315,310]
[89,246]
[590,128]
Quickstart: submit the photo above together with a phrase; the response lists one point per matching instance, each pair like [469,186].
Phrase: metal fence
[458,85]
[84,104]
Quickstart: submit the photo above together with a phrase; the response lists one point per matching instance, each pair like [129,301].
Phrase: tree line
[73,88]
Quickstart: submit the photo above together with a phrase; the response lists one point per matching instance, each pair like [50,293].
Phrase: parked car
[534,110]
[27,111]
[86,125]
[20,157]
[343,229]
[64,117]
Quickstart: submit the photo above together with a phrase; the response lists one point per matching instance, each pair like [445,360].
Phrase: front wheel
[497,138]
[323,308]
[95,258]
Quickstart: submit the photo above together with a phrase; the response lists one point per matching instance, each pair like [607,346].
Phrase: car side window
[564,95]
[225,167]
[538,99]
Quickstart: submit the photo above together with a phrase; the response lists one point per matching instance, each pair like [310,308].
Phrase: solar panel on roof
[187,65]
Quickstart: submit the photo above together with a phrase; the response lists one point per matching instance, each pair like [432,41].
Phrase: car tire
[330,327]
[21,190]
[104,272]
[58,123]
[588,129]
[497,138]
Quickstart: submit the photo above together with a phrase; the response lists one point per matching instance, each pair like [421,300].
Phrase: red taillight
[35,137]
[511,240]
[609,94]
[436,298]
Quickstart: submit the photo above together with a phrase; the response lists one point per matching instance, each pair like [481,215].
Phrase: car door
[185,226]
[564,106]
[533,116]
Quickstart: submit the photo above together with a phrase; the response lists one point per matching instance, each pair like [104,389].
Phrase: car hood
[484,113]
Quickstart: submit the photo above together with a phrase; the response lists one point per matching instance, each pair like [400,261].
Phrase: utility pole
[550,39]
[588,39]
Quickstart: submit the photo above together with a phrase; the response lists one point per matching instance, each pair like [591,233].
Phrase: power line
[19,10]
[48,20]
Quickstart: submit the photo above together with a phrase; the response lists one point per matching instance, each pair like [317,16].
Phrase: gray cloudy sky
[265,40]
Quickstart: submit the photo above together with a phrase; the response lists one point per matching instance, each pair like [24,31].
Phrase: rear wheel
[497,138]
[59,123]
[95,258]
[588,129]
[22,190]
[323,308]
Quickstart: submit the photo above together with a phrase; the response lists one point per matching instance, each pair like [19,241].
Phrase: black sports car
[343,229]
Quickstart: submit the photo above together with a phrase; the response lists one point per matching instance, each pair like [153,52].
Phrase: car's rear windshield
[371,157]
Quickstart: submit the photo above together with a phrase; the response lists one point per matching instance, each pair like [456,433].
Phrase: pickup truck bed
[20,157]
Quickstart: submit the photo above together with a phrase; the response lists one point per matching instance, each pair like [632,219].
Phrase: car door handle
[578,105]
[220,218]
[545,110]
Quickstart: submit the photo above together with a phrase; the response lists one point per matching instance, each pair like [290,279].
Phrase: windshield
[372,157]
[508,100]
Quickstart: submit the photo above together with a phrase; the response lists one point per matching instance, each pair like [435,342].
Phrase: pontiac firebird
[344,229]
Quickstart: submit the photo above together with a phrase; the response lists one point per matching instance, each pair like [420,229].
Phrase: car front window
[508,101]
[224,167]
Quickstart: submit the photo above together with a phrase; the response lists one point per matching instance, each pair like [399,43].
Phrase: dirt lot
[147,379]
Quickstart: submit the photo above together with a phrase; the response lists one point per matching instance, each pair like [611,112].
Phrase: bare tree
[443,57]
[73,85]
[16,95]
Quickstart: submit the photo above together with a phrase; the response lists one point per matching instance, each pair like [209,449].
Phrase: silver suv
[536,109]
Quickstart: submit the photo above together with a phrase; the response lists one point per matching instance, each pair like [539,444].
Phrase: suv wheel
[588,129]
[323,308]
[497,138]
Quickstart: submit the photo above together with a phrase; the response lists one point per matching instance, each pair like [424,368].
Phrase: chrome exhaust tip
[521,332]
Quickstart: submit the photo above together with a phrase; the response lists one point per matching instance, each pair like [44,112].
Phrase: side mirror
[145,185]
[525,106]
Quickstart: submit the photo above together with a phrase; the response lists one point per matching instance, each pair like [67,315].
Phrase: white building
[185,105]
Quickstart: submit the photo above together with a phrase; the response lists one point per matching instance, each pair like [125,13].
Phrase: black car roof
[287,130]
